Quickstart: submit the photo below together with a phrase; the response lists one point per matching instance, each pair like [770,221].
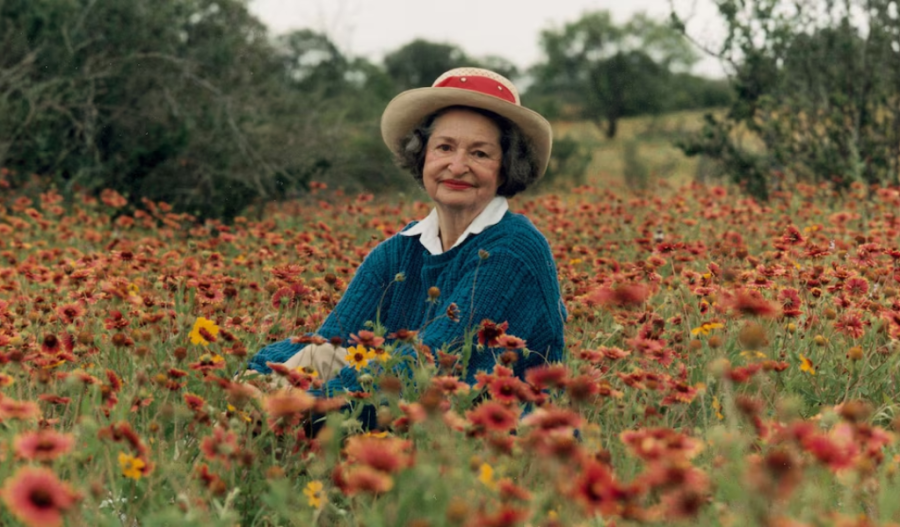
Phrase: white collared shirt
[429,229]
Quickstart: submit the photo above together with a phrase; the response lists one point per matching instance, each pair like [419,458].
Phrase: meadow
[729,363]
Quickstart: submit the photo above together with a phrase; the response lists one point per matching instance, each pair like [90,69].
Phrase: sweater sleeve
[358,305]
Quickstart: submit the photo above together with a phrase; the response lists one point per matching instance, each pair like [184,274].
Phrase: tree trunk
[612,126]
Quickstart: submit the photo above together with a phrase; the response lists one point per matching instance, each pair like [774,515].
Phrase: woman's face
[462,162]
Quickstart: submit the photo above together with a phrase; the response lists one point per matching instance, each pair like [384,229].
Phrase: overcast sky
[508,28]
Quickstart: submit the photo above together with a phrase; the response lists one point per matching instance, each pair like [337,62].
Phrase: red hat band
[478,84]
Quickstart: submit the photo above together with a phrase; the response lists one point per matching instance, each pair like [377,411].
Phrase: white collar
[429,229]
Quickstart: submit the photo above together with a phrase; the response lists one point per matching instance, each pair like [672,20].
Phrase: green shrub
[568,164]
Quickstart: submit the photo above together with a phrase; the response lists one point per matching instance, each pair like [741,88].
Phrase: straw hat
[476,87]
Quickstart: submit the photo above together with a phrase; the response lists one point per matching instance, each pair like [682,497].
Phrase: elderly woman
[468,141]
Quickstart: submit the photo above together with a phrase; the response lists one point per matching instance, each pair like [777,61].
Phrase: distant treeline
[195,103]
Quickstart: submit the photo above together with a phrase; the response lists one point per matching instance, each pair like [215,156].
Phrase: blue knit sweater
[517,283]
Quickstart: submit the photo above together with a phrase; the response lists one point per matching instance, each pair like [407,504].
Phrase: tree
[185,103]
[817,88]
[419,63]
[312,62]
[611,71]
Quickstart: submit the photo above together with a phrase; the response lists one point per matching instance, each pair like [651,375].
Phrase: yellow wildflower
[706,328]
[314,494]
[718,408]
[208,325]
[358,356]
[131,466]
[308,371]
[381,354]
[243,415]
[806,365]
[486,476]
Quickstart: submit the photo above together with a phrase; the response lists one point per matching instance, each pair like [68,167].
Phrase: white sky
[508,28]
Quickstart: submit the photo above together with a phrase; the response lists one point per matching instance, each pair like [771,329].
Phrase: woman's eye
[443,148]
[479,153]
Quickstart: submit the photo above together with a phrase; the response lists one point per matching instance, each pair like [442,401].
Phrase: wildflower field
[728,363]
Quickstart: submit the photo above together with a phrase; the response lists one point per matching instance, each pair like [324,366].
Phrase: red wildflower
[69,312]
[452,312]
[614,353]
[289,296]
[552,418]
[450,385]
[679,392]
[790,302]
[44,445]
[548,376]
[624,295]
[505,516]
[856,286]
[749,302]
[222,445]
[510,491]
[489,333]
[829,452]
[194,402]
[403,334]
[21,410]
[37,497]
[362,478]
[210,481]
[660,443]
[308,339]
[387,454]
[123,432]
[50,345]
[506,390]
[742,374]
[413,412]
[287,404]
[116,320]
[683,503]
[850,324]
[792,236]
[367,338]
[597,490]
[54,399]
[208,361]
[510,342]
[675,474]
[300,379]
[492,416]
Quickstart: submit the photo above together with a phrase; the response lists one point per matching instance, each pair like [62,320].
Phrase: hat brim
[406,111]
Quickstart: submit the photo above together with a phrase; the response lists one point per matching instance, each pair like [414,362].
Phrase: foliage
[724,367]
[612,71]
[569,163]
[183,102]
[816,88]
[419,63]
[636,173]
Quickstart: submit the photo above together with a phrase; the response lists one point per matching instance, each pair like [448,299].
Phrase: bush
[816,90]
[568,164]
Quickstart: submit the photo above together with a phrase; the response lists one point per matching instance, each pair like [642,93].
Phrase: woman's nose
[458,164]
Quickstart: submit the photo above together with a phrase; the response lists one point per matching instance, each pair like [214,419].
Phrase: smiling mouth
[456,185]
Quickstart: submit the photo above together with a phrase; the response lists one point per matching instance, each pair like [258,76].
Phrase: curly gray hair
[518,168]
